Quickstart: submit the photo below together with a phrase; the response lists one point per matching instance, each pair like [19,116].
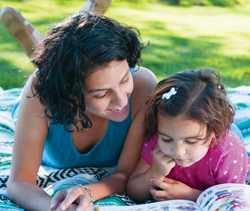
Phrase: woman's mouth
[119,111]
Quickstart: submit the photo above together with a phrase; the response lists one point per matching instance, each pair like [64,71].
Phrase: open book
[219,197]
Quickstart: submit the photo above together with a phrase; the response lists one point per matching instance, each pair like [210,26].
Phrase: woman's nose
[121,98]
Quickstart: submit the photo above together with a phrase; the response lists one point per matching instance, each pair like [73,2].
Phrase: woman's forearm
[29,196]
[113,184]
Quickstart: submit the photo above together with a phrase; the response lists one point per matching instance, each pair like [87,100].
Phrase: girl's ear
[212,140]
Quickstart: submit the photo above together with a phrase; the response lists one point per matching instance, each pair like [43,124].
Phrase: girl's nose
[179,149]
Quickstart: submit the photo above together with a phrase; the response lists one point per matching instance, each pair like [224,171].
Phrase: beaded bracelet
[87,189]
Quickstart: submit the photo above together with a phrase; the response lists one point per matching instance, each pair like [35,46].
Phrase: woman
[85,98]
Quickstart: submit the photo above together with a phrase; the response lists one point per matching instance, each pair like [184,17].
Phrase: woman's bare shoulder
[144,83]
[30,104]
[144,78]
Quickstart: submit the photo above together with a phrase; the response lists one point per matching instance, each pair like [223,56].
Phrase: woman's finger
[72,195]
[59,197]
[84,204]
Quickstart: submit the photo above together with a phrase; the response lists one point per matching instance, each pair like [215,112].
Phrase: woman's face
[107,91]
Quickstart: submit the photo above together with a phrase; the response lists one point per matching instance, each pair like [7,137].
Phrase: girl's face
[182,139]
[108,90]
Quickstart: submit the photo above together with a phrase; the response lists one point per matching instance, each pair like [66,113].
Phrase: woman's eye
[124,80]
[102,96]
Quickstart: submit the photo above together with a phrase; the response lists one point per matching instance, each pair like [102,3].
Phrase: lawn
[180,37]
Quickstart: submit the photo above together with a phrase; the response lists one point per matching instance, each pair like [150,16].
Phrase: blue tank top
[60,152]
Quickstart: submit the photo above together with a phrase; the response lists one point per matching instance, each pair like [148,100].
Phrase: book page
[225,197]
[171,205]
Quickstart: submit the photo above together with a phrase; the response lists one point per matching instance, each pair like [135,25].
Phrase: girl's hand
[72,199]
[172,189]
[161,164]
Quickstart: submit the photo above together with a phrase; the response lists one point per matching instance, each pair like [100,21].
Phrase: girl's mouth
[180,160]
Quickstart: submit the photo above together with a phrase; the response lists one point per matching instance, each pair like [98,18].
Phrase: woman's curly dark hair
[200,97]
[69,53]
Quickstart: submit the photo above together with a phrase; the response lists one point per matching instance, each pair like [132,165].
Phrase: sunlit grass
[179,37]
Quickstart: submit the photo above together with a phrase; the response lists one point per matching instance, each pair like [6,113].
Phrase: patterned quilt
[52,180]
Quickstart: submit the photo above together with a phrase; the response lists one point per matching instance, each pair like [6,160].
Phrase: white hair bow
[167,95]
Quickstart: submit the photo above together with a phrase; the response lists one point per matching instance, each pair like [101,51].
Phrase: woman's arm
[144,82]
[30,135]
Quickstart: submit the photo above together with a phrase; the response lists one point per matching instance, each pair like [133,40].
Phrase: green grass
[180,37]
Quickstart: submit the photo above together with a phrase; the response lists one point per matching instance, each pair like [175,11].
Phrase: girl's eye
[190,142]
[167,140]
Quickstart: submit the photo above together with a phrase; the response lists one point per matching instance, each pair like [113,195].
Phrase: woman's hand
[161,164]
[172,189]
[72,199]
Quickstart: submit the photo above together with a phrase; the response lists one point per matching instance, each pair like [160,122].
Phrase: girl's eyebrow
[103,89]
[163,134]
[195,137]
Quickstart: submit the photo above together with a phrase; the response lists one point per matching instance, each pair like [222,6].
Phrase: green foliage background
[223,3]
[180,36]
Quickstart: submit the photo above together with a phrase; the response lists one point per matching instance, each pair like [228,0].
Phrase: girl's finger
[157,193]
[159,199]
[163,185]
[156,182]
[170,181]
[156,149]
[169,159]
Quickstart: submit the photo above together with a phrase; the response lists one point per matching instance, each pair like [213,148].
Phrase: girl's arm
[173,189]
[138,187]
[144,82]
[149,180]
[140,182]
[143,185]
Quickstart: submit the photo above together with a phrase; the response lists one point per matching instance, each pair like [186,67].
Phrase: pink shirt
[229,163]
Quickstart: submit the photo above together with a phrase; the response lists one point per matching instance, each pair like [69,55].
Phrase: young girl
[188,145]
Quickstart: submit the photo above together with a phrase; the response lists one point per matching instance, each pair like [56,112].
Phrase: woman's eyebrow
[104,89]
[98,90]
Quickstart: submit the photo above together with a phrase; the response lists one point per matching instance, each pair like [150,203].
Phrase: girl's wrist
[154,175]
